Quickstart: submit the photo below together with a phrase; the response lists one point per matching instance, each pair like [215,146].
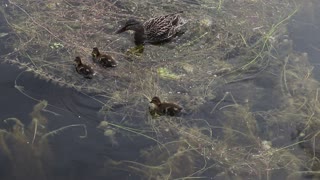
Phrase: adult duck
[155,30]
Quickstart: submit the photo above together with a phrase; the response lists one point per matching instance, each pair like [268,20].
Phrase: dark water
[304,31]
[12,103]
[74,158]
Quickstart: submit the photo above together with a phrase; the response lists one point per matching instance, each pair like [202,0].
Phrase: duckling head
[131,24]
[77,60]
[95,52]
[156,100]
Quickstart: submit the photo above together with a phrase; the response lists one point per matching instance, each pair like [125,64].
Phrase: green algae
[166,73]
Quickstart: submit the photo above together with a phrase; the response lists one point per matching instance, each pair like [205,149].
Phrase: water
[243,122]
[75,158]
[303,30]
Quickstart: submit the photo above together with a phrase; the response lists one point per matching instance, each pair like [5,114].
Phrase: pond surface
[239,122]
[78,159]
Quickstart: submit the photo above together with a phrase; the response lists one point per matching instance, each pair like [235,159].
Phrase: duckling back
[163,108]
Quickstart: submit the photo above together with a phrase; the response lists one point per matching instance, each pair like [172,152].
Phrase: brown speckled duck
[155,30]
[83,69]
[163,108]
[104,60]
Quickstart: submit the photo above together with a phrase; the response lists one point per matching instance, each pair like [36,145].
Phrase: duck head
[131,24]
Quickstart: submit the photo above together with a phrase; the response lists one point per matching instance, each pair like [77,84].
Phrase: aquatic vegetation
[252,99]
[26,148]
[56,45]
[108,131]
[165,73]
[3,34]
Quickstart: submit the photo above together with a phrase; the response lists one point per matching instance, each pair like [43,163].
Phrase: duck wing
[163,27]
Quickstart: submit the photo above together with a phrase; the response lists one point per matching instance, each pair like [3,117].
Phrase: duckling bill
[155,30]
[104,60]
[164,108]
[85,70]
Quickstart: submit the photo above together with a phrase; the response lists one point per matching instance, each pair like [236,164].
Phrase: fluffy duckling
[163,108]
[104,60]
[83,69]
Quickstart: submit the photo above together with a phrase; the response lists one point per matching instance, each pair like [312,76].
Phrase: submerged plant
[27,148]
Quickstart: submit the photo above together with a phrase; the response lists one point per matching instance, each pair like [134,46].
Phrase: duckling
[163,108]
[155,30]
[104,60]
[85,70]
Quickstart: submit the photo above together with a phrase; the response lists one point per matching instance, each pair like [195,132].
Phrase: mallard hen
[155,30]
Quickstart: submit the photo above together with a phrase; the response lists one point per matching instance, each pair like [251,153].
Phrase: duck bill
[121,30]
